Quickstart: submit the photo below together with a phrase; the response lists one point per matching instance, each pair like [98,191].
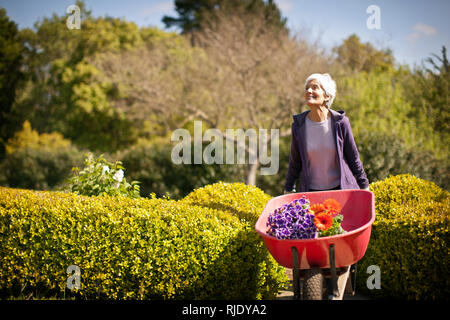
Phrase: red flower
[332,213]
[323,221]
[317,208]
[332,204]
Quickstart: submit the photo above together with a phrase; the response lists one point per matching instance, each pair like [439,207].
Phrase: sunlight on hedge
[410,239]
[205,245]
[130,248]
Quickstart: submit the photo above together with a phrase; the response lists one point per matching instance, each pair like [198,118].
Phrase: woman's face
[314,94]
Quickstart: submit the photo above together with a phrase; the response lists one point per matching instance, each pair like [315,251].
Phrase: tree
[37,161]
[153,82]
[193,14]
[62,93]
[426,88]
[82,110]
[434,84]
[360,56]
[11,75]
[392,128]
[376,101]
[241,75]
[259,77]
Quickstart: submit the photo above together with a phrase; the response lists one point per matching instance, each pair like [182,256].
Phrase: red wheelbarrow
[316,260]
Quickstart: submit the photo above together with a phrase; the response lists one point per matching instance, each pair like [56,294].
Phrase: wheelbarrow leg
[334,279]
[296,274]
[352,276]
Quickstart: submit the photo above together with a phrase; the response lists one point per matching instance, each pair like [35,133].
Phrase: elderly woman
[323,151]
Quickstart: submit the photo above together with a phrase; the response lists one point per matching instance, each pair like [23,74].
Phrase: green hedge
[131,248]
[410,240]
[41,169]
[244,201]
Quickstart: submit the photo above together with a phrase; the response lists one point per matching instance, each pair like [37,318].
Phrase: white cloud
[424,29]
[164,7]
[285,5]
[412,37]
[421,30]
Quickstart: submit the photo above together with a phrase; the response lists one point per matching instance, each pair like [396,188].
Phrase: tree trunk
[251,175]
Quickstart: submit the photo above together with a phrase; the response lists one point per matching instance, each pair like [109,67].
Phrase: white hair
[327,83]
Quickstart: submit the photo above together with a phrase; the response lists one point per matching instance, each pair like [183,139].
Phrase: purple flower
[292,221]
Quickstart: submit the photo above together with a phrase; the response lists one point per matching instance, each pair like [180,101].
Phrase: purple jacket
[352,171]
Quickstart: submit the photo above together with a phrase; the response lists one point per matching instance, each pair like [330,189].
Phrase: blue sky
[413,29]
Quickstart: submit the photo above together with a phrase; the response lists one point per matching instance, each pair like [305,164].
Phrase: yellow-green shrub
[244,201]
[409,239]
[129,249]
[29,138]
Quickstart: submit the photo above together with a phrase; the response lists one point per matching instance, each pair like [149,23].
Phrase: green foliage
[153,36]
[437,92]
[82,109]
[246,202]
[51,40]
[100,177]
[11,56]
[150,163]
[384,154]
[363,56]
[399,118]
[373,102]
[63,93]
[153,89]
[274,184]
[393,134]
[38,161]
[29,138]
[193,15]
[39,169]
[376,102]
[130,249]
[410,239]
[335,227]
[428,89]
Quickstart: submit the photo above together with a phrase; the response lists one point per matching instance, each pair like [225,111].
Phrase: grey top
[323,162]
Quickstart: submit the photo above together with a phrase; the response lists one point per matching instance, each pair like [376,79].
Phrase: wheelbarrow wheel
[313,284]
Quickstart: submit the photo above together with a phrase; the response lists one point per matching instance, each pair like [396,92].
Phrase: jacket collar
[337,116]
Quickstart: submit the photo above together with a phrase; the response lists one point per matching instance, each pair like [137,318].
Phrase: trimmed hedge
[410,240]
[244,201]
[131,248]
